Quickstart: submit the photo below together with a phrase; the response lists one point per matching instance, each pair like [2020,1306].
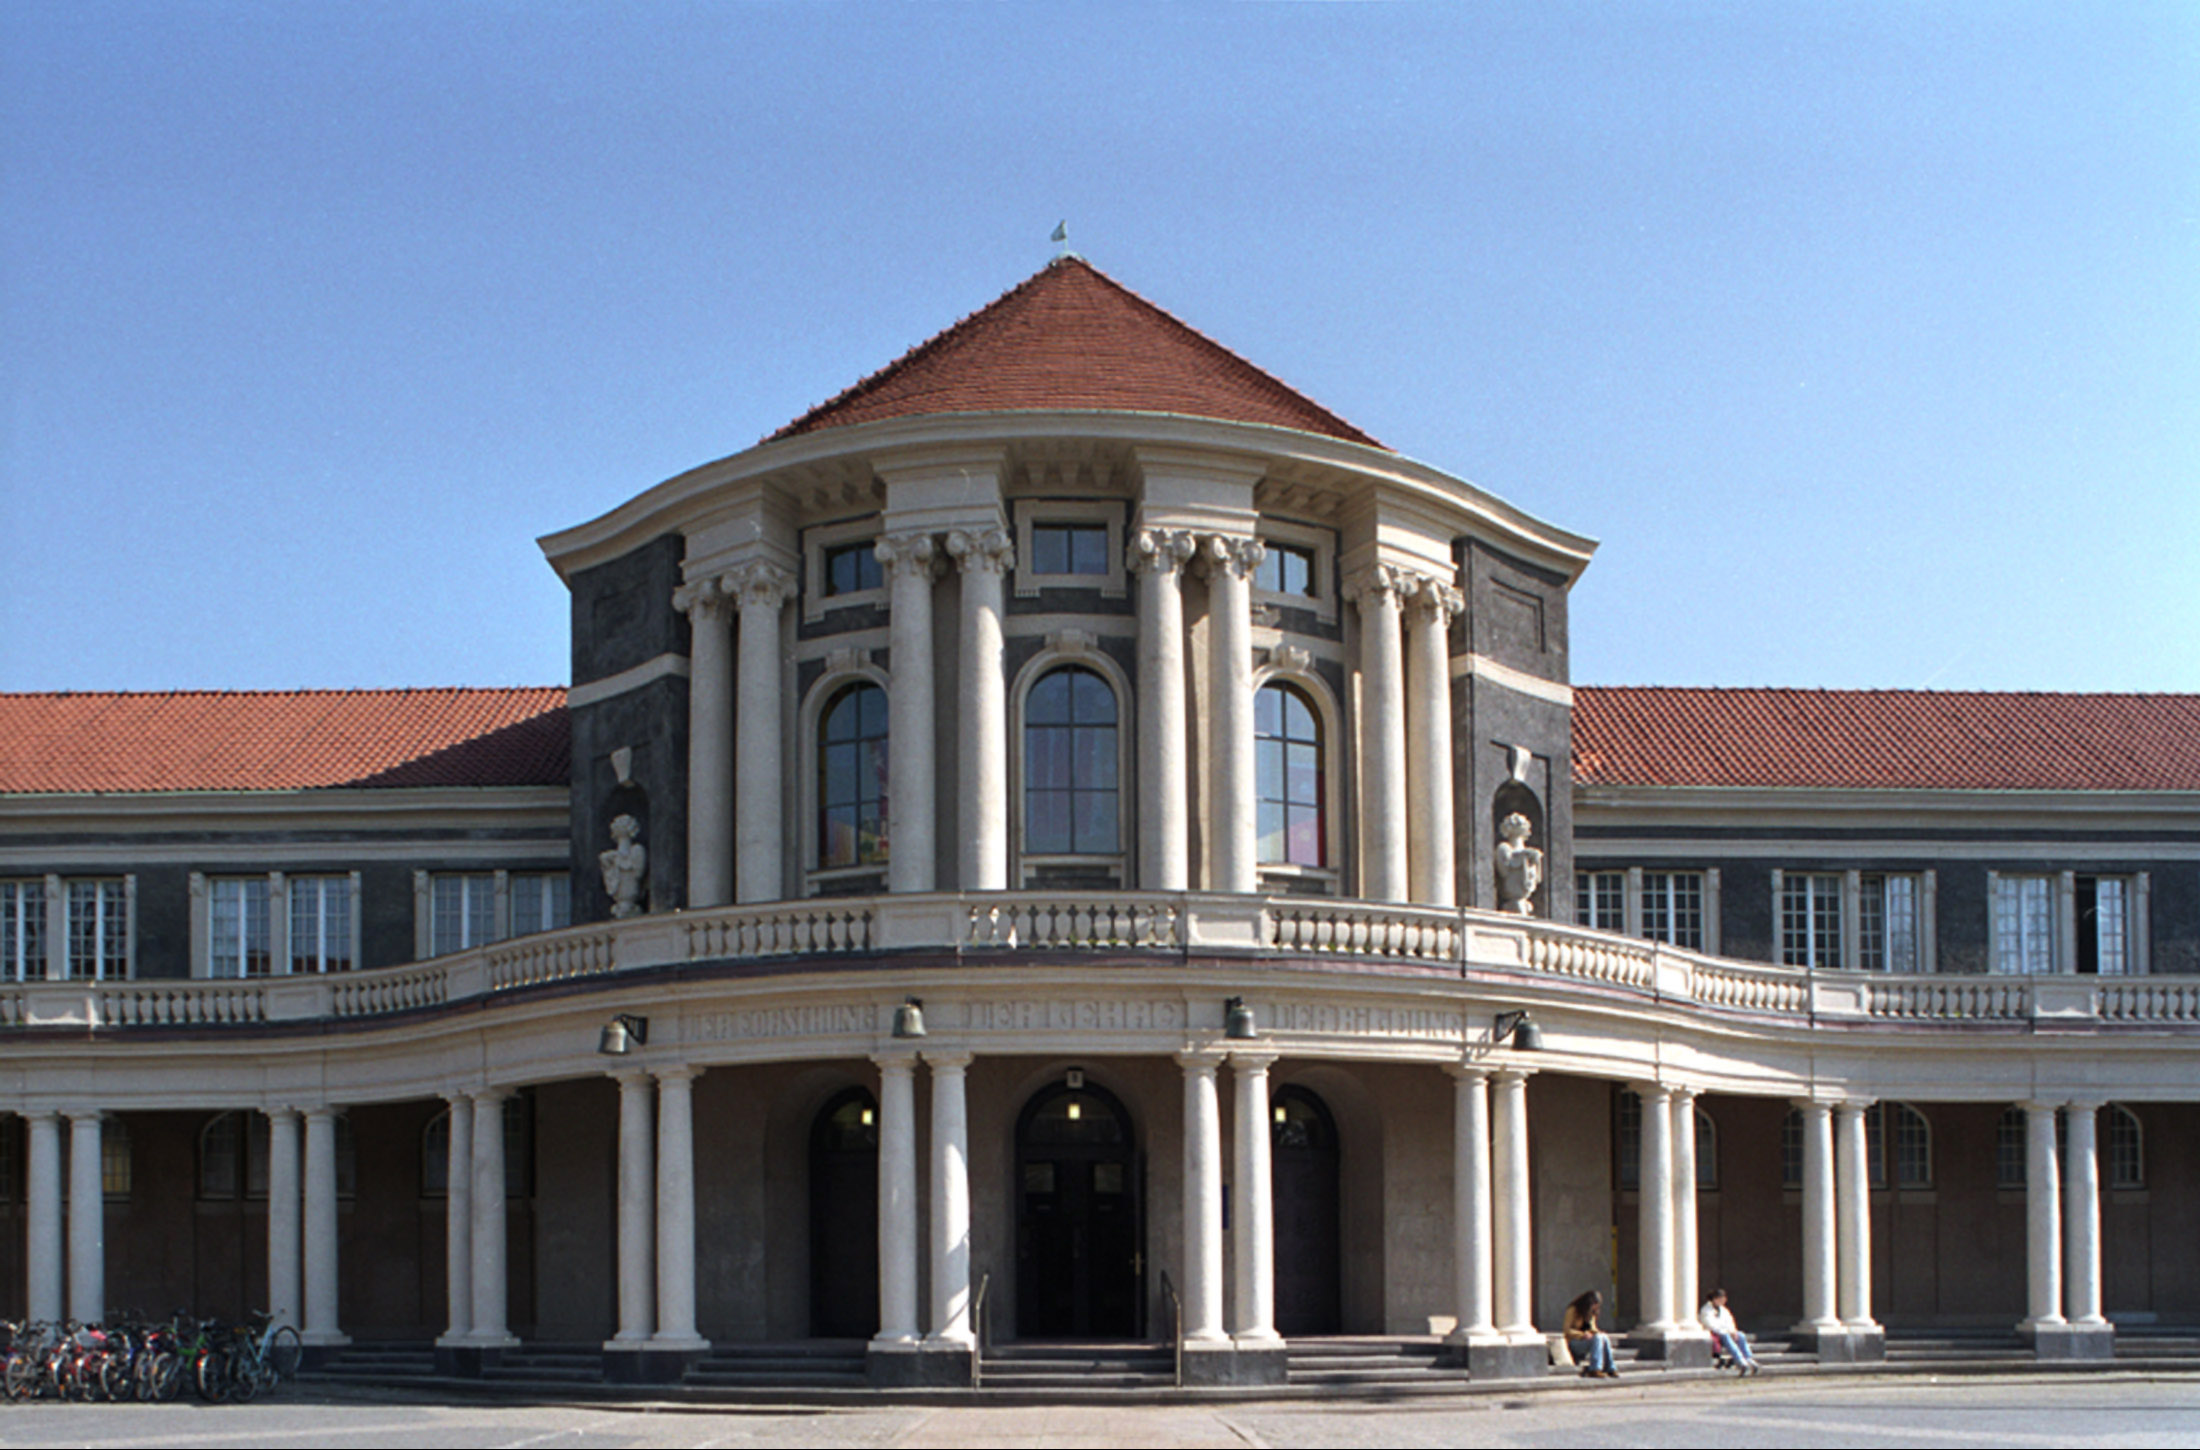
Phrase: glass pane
[1096,821]
[1268,712]
[1094,758]
[1305,779]
[1269,831]
[1306,837]
[1049,550]
[871,712]
[841,773]
[1048,703]
[1046,822]
[1094,702]
[1089,551]
[1298,718]
[1047,758]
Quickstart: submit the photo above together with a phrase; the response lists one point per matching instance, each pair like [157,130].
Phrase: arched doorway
[1079,1263]
[1303,1137]
[844,1217]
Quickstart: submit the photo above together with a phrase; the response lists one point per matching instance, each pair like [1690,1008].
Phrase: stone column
[986,556]
[637,1210]
[897,1200]
[1820,1264]
[87,1221]
[1236,851]
[710,743]
[322,1321]
[1202,1289]
[285,1299]
[487,1203]
[1432,848]
[676,1211]
[1853,1219]
[1253,1304]
[1379,590]
[1654,1245]
[458,1222]
[951,1326]
[2082,1220]
[1688,1290]
[760,813]
[42,1194]
[1164,807]
[909,560]
[1473,1287]
[1511,1235]
[2042,1221]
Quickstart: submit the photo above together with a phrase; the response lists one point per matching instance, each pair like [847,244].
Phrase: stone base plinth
[650,1364]
[466,1359]
[1841,1346]
[1675,1348]
[2071,1341]
[1497,1358]
[920,1366]
[1236,1364]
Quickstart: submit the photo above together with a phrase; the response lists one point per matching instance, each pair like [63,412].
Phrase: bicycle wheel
[284,1352]
[244,1377]
[114,1378]
[168,1370]
[22,1375]
[210,1375]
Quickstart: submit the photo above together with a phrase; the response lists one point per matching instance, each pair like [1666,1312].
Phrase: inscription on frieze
[824,1019]
[1344,1020]
[1086,1016]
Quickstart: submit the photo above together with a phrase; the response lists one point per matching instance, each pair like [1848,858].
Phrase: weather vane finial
[1061,240]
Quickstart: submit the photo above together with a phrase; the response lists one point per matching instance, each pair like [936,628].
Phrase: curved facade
[1042,833]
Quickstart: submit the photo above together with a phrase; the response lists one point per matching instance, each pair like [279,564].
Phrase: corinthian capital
[982,551]
[1159,551]
[908,554]
[758,582]
[1232,553]
[1379,583]
[701,599]
[1437,600]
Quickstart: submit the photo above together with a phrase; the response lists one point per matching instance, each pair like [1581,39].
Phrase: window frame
[819,540]
[1322,545]
[1071,651]
[2062,938]
[1323,707]
[124,904]
[24,952]
[1042,512]
[822,693]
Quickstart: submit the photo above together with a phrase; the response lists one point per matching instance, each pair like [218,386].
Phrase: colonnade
[736,693]
[2062,1222]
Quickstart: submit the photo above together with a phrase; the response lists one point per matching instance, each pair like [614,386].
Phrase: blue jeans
[1593,1353]
[1736,1346]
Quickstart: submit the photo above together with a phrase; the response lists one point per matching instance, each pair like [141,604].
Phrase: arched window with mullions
[851,790]
[1287,753]
[1070,766]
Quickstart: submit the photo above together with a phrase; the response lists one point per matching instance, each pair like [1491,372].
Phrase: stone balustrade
[1503,951]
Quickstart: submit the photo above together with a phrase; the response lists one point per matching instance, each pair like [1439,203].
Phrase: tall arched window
[1070,766]
[1287,752]
[851,791]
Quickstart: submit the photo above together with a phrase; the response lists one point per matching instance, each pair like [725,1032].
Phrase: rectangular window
[1672,908]
[461,912]
[852,568]
[1069,549]
[22,930]
[236,927]
[2104,925]
[2024,924]
[541,901]
[1285,569]
[1887,923]
[1600,899]
[320,924]
[1810,919]
[99,930]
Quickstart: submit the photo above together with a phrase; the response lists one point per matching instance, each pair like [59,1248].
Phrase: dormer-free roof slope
[1885,739]
[1069,339]
[282,740]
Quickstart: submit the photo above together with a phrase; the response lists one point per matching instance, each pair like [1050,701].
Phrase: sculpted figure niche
[624,866]
[1519,866]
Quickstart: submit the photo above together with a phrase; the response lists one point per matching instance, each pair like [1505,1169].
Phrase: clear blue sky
[1866,337]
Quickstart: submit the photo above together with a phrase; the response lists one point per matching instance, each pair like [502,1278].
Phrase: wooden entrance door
[1079,1266]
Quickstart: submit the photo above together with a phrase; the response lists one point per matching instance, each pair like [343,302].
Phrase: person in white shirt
[1715,1317]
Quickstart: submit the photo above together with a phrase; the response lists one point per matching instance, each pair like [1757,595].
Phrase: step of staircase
[538,1363]
[1336,1363]
[397,1360]
[1060,1367]
[808,1364]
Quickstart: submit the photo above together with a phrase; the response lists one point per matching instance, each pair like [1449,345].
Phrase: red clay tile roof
[1885,739]
[282,740]
[1071,338]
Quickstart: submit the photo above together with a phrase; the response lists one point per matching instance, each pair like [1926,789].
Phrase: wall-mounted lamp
[1237,1022]
[1521,1028]
[622,1034]
[909,1018]
[1074,1079]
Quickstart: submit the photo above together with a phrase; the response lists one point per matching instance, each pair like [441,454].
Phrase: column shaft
[487,1202]
[458,1220]
[985,557]
[285,1293]
[1253,1304]
[87,1222]
[1853,1218]
[1655,1250]
[323,1325]
[897,1200]
[1432,848]
[1164,810]
[1470,1189]
[1233,820]
[1202,1288]
[1819,1258]
[2082,1218]
[637,1209]
[760,812]
[676,1210]
[950,1200]
[710,744]
[1382,733]
[1687,1289]
[910,761]
[1511,1235]
[42,1185]
[2042,1217]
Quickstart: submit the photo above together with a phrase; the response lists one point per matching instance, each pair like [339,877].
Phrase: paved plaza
[1938,1412]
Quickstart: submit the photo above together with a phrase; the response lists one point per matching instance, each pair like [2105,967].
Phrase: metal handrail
[977,1328]
[1176,1325]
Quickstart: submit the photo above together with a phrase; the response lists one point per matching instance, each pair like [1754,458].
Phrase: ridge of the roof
[1171,367]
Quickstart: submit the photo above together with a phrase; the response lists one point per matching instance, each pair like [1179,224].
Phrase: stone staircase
[1059,1369]
[805,1364]
[1999,1348]
[1359,1363]
[390,1361]
[538,1363]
